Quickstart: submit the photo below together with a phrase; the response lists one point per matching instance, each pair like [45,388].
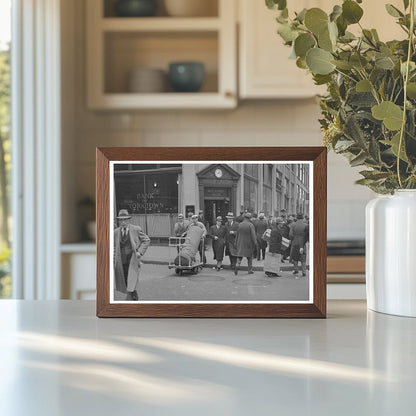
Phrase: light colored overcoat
[139,243]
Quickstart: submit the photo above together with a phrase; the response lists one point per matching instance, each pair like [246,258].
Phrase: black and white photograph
[202,232]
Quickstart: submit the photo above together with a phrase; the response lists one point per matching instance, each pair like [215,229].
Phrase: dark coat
[246,239]
[260,226]
[219,244]
[139,243]
[275,243]
[230,238]
[299,234]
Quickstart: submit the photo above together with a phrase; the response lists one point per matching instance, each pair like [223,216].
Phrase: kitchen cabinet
[78,264]
[118,45]
[265,69]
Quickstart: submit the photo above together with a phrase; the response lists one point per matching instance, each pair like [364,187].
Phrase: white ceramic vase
[391,253]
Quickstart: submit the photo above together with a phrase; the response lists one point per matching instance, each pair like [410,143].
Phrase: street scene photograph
[211,232]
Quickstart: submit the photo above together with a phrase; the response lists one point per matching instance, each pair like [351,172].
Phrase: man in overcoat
[246,243]
[261,226]
[299,234]
[201,248]
[130,244]
[217,233]
[231,228]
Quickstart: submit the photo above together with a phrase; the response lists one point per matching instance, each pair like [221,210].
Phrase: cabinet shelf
[160,24]
[198,100]
[118,46]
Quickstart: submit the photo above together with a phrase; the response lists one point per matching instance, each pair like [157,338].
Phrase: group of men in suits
[234,238]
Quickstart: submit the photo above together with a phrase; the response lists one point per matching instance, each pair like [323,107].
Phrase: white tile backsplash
[257,123]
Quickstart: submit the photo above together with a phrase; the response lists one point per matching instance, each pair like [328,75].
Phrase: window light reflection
[262,361]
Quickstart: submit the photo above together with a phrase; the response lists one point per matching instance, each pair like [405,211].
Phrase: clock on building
[218,173]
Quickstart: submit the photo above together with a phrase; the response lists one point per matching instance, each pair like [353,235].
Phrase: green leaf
[325,42]
[365,182]
[316,20]
[343,145]
[411,90]
[344,65]
[351,11]
[368,36]
[287,33]
[303,43]
[359,160]
[363,86]
[321,79]
[406,4]
[375,35]
[374,174]
[342,25]
[391,114]
[394,145]
[374,150]
[319,61]
[336,12]
[393,11]
[301,63]
[384,62]
[347,37]
[358,61]
[276,4]
[353,131]
[301,15]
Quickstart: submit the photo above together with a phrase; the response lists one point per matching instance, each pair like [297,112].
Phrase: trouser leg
[126,272]
[250,263]
[296,266]
[232,261]
[303,266]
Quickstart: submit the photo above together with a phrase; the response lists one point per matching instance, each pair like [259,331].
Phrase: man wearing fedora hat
[130,244]
[246,243]
[217,234]
[231,229]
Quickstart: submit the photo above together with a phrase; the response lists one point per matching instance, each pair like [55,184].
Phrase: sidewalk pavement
[159,254]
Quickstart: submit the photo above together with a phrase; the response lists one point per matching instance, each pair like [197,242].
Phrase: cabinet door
[266,71]
[265,68]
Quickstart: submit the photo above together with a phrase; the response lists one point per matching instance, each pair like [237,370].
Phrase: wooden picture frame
[268,159]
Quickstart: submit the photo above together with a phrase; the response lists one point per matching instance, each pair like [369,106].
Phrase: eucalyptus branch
[373,88]
[406,79]
[346,75]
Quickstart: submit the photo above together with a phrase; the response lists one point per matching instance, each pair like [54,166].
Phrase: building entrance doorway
[215,208]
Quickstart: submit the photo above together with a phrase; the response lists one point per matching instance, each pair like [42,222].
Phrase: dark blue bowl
[135,8]
[186,76]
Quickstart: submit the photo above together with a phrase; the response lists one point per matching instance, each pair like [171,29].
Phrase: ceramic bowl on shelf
[186,76]
[147,80]
[135,8]
[191,8]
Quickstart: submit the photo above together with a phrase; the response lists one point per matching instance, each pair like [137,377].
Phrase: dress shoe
[134,295]
[250,272]
[295,272]
[303,274]
[236,270]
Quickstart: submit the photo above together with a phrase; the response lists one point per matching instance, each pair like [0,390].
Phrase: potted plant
[369,116]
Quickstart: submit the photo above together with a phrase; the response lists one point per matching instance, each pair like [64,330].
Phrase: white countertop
[57,358]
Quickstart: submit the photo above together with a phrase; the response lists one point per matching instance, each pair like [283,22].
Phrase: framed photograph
[211,232]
